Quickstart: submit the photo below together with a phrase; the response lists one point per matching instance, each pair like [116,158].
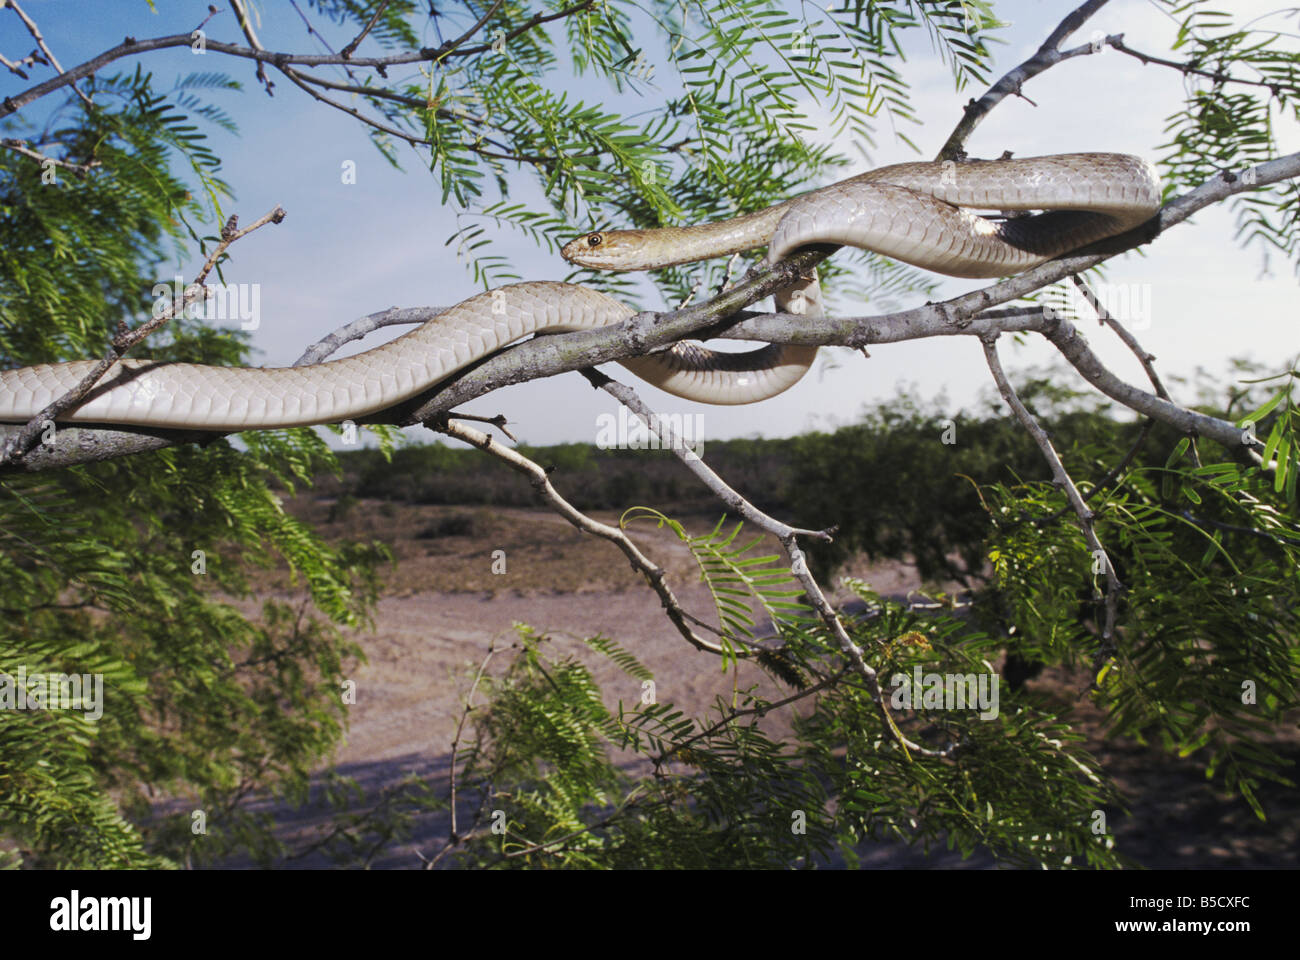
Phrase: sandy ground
[444,606]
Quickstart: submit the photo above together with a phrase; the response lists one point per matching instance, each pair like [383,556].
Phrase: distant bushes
[590,478]
[902,483]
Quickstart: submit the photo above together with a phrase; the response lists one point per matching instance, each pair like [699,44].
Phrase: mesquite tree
[1162,558]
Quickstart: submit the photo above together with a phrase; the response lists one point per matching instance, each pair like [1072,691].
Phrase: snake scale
[918,213]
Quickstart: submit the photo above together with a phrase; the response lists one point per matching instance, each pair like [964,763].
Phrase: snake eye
[594,240]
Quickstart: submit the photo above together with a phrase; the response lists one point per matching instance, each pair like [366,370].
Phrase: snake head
[601,250]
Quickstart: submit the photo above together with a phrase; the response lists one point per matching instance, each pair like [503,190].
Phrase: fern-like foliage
[126,569]
[725,792]
[739,584]
[1225,125]
[714,101]
[1205,657]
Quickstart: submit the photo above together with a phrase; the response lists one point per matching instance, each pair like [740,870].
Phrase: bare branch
[298,81]
[499,421]
[21,146]
[351,48]
[246,25]
[1117,41]
[662,428]
[16,66]
[301,80]
[535,21]
[478,25]
[1148,363]
[313,32]
[1047,56]
[357,329]
[1146,359]
[452,836]
[653,573]
[132,47]
[789,541]
[40,42]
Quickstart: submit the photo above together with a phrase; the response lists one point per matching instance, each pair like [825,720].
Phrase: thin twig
[132,47]
[725,285]
[16,66]
[690,294]
[1114,472]
[786,534]
[246,25]
[418,103]
[1148,364]
[359,328]
[630,802]
[20,146]
[1117,42]
[1048,55]
[499,421]
[1207,524]
[759,712]
[313,32]
[1146,359]
[40,42]
[452,836]
[653,573]
[304,81]
[299,82]
[351,48]
[535,21]
[478,25]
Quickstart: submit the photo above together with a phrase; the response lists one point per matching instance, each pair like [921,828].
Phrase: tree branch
[351,48]
[1103,315]
[535,21]
[1117,42]
[16,66]
[357,329]
[40,42]
[759,712]
[653,573]
[962,315]
[246,25]
[478,25]
[21,146]
[453,836]
[789,541]
[1047,56]
[131,47]
[546,356]
[1148,364]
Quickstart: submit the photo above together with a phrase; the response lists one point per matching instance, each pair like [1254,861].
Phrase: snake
[920,213]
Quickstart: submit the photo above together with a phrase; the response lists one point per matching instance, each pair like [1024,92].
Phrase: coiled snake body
[919,213]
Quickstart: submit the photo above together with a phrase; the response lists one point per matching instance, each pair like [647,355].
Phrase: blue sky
[348,250]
